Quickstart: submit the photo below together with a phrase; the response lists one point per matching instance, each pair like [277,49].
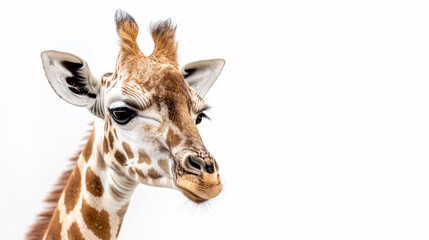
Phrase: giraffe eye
[200,118]
[122,115]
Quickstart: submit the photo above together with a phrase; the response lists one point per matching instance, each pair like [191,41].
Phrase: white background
[320,119]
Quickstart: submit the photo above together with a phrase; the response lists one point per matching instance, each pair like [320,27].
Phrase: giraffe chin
[198,191]
[191,196]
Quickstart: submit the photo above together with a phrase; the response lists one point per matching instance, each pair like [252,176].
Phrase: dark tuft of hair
[122,15]
[127,30]
[163,27]
[164,37]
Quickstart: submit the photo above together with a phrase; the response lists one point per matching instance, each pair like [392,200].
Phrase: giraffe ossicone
[144,132]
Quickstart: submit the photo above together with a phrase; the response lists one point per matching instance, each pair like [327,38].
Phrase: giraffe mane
[38,229]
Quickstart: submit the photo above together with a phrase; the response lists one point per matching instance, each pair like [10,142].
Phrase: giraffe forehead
[165,87]
[162,80]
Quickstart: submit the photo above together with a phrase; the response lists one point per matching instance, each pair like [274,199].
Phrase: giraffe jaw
[198,188]
[191,196]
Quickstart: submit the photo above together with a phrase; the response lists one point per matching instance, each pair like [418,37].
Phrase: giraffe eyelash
[203,115]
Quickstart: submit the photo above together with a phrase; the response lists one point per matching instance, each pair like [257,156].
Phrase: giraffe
[144,132]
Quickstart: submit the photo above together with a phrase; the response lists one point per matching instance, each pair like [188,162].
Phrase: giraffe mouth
[197,190]
[188,194]
[192,196]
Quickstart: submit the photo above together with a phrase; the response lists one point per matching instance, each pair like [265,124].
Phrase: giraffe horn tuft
[127,30]
[164,37]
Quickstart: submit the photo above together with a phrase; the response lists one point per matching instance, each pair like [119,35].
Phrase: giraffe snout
[199,181]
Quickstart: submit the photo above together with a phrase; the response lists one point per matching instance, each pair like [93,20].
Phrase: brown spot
[172,139]
[114,131]
[163,164]
[87,151]
[162,149]
[96,221]
[107,84]
[143,157]
[131,172]
[114,82]
[148,87]
[105,145]
[72,190]
[148,128]
[111,140]
[93,183]
[120,157]
[141,175]
[74,233]
[54,229]
[128,151]
[152,173]
[100,162]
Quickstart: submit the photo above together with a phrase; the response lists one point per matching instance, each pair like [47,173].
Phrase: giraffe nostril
[194,164]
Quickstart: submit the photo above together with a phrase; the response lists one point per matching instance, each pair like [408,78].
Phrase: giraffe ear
[202,74]
[70,77]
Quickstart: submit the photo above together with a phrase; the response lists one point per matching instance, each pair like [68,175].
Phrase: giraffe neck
[95,199]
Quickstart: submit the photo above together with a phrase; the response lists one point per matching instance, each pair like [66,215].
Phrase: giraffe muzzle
[197,177]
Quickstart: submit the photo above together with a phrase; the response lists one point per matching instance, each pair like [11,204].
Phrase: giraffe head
[150,110]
